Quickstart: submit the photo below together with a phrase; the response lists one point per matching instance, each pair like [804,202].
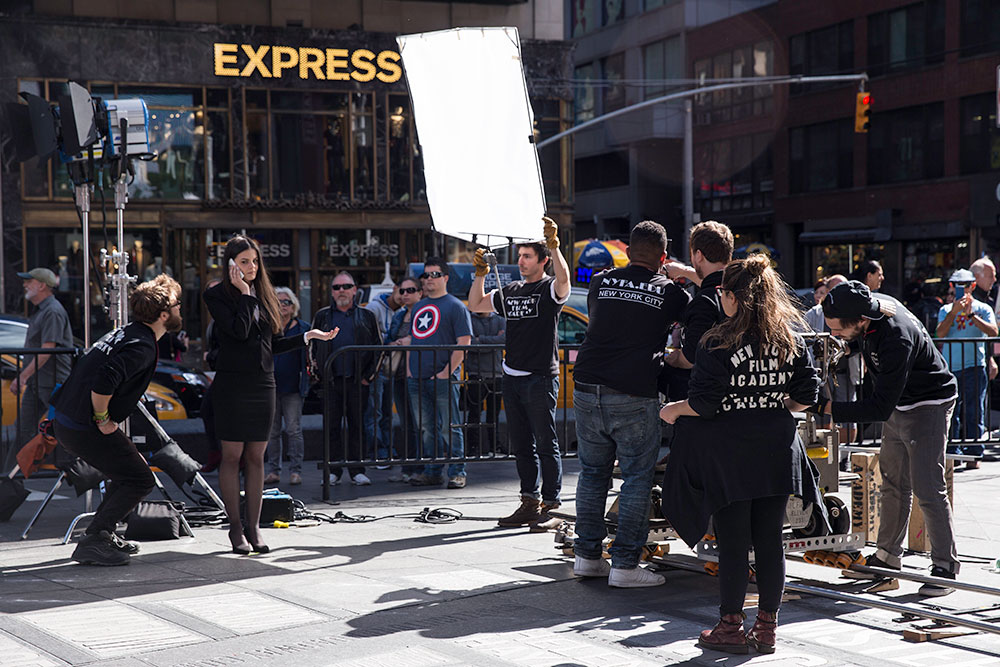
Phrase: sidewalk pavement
[401,594]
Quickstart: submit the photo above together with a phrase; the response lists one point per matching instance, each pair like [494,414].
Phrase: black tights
[737,526]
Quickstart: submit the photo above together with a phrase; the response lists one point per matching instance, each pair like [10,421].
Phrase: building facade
[782,164]
[290,121]
[917,192]
[631,168]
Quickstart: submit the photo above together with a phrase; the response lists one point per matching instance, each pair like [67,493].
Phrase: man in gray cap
[914,395]
[47,327]
[967,317]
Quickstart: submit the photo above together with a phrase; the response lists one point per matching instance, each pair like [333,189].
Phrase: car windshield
[12,335]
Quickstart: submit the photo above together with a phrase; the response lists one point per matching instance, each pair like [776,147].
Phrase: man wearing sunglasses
[438,319]
[350,373]
[531,369]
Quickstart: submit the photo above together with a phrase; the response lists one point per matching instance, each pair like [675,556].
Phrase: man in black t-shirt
[101,392]
[531,369]
[631,312]
[711,248]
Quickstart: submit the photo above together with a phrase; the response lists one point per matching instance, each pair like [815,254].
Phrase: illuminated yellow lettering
[311,59]
[391,71]
[283,57]
[225,55]
[335,59]
[364,70]
[256,61]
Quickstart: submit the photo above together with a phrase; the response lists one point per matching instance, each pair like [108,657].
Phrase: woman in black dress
[247,325]
[736,456]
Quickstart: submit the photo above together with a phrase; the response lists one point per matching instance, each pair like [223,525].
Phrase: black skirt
[733,456]
[243,405]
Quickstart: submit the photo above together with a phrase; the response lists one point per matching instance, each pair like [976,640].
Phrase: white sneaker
[334,480]
[361,479]
[591,567]
[637,577]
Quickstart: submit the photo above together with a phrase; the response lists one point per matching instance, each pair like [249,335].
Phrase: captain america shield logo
[426,321]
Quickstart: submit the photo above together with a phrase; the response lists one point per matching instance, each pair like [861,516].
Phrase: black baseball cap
[850,301]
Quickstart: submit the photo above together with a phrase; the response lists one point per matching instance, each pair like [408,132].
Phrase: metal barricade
[428,420]
[972,426]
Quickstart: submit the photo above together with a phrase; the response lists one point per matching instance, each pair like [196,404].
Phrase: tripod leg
[48,497]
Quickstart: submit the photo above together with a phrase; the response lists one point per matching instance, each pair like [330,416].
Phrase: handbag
[154,520]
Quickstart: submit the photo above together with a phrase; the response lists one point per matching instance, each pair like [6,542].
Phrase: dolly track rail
[863,601]
[917,578]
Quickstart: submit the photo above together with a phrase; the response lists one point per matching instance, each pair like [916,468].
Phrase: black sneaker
[937,590]
[123,545]
[99,549]
[870,561]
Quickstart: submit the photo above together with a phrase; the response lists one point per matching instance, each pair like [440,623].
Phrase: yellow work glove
[551,232]
[479,261]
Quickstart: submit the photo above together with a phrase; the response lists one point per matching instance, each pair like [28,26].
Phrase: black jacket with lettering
[907,368]
[119,365]
[631,311]
[743,444]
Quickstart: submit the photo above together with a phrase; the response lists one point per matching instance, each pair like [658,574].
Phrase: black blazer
[246,345]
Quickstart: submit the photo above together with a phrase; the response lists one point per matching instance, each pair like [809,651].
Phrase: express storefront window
[61,249]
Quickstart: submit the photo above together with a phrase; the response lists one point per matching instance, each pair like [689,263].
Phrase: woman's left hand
[319,334]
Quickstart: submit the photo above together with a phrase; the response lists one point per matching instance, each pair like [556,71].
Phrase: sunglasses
[431,274]
[285,302]
[337,288]
[408,290]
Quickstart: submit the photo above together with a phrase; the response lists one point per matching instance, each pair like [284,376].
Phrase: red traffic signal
[862,112]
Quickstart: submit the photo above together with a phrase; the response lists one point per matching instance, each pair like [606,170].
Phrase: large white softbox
[474,122]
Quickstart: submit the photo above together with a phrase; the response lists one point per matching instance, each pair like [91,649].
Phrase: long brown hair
[763,310]
[261,283]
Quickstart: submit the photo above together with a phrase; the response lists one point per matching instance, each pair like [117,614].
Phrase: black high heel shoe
[239,549]
[259,548]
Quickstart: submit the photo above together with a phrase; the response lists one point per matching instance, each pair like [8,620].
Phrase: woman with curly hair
[736,455]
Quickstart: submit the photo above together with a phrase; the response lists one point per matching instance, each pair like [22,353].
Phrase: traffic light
[863,112]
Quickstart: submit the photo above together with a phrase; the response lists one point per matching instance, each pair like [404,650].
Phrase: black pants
[756,522]
[482,437]
[348,398]
[116,457]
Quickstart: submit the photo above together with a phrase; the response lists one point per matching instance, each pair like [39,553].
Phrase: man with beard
[100,393]
[48,328]
[914,395]
[711,247]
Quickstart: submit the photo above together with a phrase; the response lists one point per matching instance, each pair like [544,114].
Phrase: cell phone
[233,263]
[959,292]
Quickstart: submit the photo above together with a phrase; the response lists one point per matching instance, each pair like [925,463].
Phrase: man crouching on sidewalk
[101,392]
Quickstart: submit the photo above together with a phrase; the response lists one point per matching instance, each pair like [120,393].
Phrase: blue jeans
[609,427]
[530,405]
[378,418]
[290,407]
[407,427]
[969,420]
[434,406]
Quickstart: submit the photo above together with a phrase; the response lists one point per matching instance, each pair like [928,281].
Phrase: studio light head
[78,125]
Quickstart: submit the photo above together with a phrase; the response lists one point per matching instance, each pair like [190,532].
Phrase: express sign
[243,60]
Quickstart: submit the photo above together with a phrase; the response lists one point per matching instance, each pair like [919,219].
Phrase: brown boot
[526,514]
[761,635]
[727,635]
[545,521]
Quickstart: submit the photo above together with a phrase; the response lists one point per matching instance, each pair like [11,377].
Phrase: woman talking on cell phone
[247,325]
